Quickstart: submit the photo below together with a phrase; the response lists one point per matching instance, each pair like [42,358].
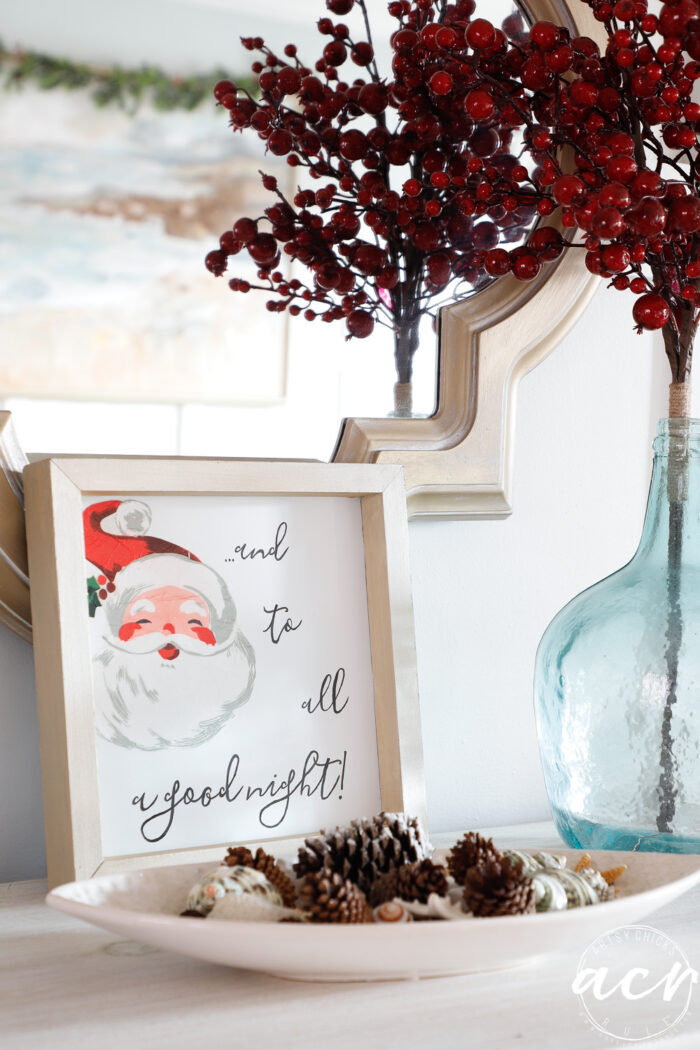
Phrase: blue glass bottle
[617,680]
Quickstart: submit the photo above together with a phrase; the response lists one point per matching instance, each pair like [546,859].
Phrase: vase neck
[673,511]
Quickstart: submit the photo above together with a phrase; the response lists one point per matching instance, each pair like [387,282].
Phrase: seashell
[249,907]
[550,894]
[536,861]
[392,911]
[577,889]
[437,908]
[594,879]
[224,880]
[613,874]
[584,862]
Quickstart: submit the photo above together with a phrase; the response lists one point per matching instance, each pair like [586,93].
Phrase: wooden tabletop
[65,985]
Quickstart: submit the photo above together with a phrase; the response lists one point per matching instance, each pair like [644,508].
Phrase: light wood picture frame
[89,766]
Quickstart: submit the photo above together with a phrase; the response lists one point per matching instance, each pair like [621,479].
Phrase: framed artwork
[224,654]
[107,216]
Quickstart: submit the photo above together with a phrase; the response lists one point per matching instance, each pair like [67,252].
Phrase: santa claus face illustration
[172,664]
[167,612]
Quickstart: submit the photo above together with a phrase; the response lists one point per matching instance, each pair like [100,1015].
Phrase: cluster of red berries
[413,189]
[429,174]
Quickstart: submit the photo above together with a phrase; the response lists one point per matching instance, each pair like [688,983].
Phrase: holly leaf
[93,589]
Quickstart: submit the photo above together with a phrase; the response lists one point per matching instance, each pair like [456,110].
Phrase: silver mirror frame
[459,462]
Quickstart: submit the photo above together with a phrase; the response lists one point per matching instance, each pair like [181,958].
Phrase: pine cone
[329,897]
[265,863]
[469,851]
[497,886]
[384,888]
[238,857]
[366,849]
[415,882]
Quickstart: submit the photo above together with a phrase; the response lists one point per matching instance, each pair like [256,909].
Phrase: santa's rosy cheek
[205,635]
[128,630]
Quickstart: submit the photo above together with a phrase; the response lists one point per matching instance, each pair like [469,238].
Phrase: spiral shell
[536,861]
[550,894]
[559,888]
[391,911]
[223,880]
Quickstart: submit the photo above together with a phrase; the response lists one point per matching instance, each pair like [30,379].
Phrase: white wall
[484,590]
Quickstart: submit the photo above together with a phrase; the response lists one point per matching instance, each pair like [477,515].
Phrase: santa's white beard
[144,701]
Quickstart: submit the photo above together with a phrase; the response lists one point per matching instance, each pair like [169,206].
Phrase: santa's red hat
[134,563]
[115,535]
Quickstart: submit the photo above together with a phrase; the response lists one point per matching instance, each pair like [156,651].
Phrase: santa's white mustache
[156,640]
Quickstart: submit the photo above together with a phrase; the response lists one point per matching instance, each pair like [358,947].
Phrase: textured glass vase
[617,682]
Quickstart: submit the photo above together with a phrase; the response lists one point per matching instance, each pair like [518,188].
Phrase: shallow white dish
[144,906]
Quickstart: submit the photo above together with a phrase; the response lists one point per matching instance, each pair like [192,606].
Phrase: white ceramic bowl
[145,906]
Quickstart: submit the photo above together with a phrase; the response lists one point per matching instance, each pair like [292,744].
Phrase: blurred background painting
[106,217]
[118,175]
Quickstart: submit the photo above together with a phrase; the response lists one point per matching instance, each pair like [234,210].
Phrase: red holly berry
[263,249]
[526,267]
[445,37]
[426,237]
[480,34]
[547,242]
[388,278]
[567,188]
[545,35]
[216,262]
[560,60]
[479,104]
[651,311]
[439,269]
[369,259]
[497,262]
[280,142]
[615,257]
[373,98]
[647,218]
[335,53]
[222,88]
[360,324]
[288,81]
[441,83]
[362,53]
[684,215]
[608,223]
[615,194]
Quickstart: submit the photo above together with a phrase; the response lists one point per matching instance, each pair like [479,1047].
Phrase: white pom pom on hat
[131,518]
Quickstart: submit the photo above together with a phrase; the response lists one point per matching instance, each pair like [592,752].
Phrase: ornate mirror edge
[459,462]
[14,580]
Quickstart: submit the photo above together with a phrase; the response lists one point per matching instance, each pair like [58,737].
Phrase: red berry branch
[627,124]
[429,178]
[414,176]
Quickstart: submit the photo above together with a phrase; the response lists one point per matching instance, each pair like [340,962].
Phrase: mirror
[109,212]
[113,337]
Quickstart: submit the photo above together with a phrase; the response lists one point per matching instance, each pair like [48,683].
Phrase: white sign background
[321,580]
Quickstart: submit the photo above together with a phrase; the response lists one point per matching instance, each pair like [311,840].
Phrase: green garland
[126,88]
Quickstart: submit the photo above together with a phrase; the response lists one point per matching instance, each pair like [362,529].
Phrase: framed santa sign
[224,654]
